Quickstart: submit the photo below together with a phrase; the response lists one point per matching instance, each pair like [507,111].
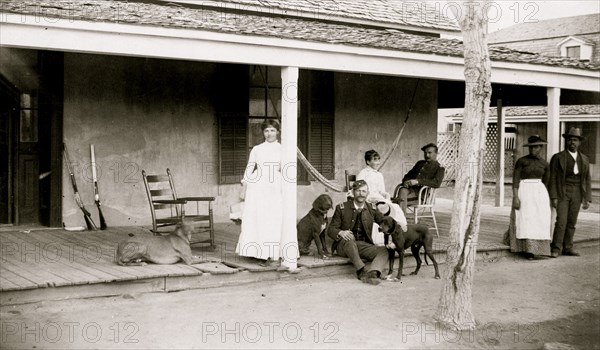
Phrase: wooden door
[8,108]
[28,162]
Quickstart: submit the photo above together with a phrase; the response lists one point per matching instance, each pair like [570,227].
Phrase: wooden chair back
[165,209]
[162,196]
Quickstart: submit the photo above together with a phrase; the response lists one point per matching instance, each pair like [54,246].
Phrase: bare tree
[454,308]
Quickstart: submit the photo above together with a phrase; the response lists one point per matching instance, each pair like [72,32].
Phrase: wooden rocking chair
[167,209]
[350,180]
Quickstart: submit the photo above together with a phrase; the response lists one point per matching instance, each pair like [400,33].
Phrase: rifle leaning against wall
[86,214]
[96,192]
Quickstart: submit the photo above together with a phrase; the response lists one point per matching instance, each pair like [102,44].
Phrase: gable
[582,49]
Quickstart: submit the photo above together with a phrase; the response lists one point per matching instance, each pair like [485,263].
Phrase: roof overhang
[323,12]
[198,45]
[517,119]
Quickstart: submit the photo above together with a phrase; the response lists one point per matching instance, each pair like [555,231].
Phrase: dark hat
[535,140]
[359,184]
[429,145]
[573,132]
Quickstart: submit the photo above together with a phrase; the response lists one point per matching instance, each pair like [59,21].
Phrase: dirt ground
[518,304]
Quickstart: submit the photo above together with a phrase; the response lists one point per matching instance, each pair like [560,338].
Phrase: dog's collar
[392,229]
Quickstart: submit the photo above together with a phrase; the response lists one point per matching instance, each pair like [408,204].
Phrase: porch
[47,264]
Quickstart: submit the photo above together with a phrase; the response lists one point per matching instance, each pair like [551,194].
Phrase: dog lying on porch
[168,249]
[312,227]
[415,237]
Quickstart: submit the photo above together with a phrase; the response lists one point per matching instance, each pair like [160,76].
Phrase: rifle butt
[89,223]
[103,225]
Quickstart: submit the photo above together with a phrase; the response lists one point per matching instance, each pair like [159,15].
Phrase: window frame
[578,51]
[310,114]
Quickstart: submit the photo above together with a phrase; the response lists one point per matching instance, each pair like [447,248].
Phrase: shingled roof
[418,14]
[152,14]
[550,28]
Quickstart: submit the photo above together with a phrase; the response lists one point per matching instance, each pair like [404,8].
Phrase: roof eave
[200,45]
[327,16]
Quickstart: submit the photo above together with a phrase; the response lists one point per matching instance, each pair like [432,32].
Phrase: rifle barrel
[103,225]
[86,214]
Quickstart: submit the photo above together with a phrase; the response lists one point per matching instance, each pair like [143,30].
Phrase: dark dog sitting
[169,249]
[415,237]
[312,227]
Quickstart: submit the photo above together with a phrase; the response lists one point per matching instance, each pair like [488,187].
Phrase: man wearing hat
[570,189]
[351,228]
[427,172]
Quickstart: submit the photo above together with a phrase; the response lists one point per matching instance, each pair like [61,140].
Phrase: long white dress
[263,209]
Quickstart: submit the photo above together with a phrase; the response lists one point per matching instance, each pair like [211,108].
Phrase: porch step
[209,280]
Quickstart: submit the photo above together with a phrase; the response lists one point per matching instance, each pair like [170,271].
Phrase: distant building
[523,121]
[577,37]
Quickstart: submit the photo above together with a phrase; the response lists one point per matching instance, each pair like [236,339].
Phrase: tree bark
[454,307]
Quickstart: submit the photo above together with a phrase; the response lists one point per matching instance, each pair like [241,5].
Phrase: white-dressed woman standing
[261,231]
[530,219]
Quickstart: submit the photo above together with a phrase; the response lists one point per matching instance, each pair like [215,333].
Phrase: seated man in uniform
[427,172]
[351,228]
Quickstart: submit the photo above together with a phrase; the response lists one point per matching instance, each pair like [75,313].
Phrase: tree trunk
[454,308]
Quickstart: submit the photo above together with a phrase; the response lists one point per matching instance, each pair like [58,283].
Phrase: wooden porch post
[499,202]
[553,121]
[289,144]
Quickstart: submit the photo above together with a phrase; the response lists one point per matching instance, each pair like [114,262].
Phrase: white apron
[533,218]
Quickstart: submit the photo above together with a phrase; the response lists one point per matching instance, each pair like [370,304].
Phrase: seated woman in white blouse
[377,191]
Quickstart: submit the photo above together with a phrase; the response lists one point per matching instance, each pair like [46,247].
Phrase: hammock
[313,171]
[317,175]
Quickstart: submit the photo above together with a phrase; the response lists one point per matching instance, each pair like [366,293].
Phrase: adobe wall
[140,114]
[146,114]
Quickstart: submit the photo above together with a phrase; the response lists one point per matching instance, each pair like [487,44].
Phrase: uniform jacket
[344,219]
[427,173]
[558,168]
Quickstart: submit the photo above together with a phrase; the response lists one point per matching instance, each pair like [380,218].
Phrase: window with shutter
[249,94]
[321,150]
[232,114]
[233,146]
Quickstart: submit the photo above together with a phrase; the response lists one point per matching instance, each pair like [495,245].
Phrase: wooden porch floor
[44,258]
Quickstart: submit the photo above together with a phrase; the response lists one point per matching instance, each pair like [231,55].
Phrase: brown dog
[169,249]
[312,227]
[415,237]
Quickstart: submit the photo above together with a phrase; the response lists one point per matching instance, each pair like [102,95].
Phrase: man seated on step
[351,229]
[427,172]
